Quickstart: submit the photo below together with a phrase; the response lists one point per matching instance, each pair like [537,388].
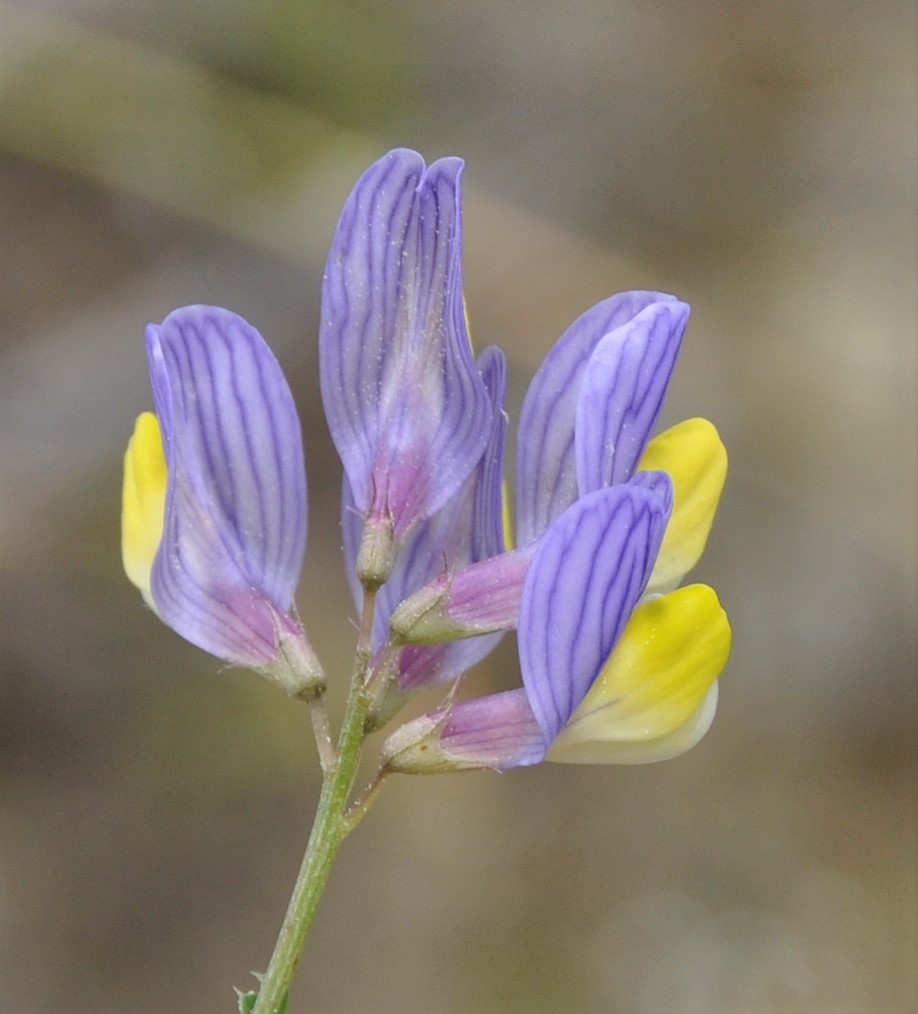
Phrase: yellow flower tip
[657,693]
[696,460]
[143,501]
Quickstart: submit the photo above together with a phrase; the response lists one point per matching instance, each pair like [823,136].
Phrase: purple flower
[587,574]
[406,406]
[585,423]
[606,677]
[214,526]
[467,529]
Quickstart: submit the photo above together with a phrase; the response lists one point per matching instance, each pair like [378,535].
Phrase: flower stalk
[619,664]
[333,822]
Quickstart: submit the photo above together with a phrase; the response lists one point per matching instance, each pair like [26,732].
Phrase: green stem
[329,830]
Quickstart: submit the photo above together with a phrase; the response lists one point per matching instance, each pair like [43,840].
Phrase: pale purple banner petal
[235,519]
[621,393]
[406,406]
[546,470]
[588,573]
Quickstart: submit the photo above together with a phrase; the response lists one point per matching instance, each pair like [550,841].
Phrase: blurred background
[757,160]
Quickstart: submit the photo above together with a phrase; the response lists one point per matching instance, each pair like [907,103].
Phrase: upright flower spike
[407,409]
[214,510]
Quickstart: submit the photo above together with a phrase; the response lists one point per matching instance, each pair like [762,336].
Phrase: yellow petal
[506,517]
[696,460]
[656,695]
[143,501]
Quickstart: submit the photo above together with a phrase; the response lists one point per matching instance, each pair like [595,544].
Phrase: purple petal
[588,573]
[486,481]
[406,407]
[467,529]
[235,521]
[430,664]
[621,393]
[498,731]
[546,469]
[481,598]
[659,483]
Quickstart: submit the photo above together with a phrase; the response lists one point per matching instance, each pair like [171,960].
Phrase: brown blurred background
[759,160]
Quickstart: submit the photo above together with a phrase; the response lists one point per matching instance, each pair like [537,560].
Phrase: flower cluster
[619,664]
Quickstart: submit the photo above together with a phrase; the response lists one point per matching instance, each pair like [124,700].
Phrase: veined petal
[696,459]
[235,517]
[486,481]
[468,528]
[430,664]
[589,571]
[656,695]
[622,391]
[546,469]
[481,598]
[143,502]
[498,731]
[407,409]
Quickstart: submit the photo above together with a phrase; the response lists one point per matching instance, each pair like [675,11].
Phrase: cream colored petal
[143,501]
[656,695]
[694,456]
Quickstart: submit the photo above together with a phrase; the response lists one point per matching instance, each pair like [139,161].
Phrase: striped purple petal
[235,519]
[588,573]
[467,529]
[621,393]
[407,409]
[498,731]
[481,598]
[546,468]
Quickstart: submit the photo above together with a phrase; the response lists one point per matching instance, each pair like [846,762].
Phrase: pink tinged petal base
[432,664]
[498,732]
[469,527]
[479,599]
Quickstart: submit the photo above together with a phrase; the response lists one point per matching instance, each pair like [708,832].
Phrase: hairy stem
[332,825]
